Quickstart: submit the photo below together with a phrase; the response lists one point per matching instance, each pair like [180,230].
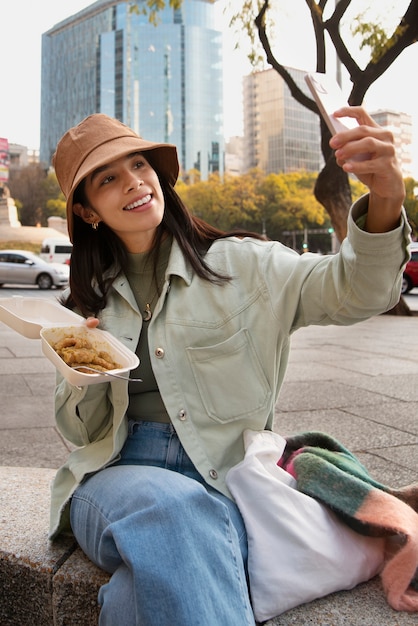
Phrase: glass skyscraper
[164,81]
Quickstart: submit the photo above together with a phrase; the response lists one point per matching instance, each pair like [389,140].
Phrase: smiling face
[126,195]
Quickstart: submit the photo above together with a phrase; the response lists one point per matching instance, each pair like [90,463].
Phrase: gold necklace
[140,274]
[147,312]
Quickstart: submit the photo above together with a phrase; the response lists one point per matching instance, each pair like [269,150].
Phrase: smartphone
[329,98]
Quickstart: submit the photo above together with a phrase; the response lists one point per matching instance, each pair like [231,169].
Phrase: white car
[21,267]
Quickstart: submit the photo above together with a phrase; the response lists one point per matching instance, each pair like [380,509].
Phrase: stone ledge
[42,583]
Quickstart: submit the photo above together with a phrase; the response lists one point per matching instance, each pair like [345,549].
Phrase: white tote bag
[298,550]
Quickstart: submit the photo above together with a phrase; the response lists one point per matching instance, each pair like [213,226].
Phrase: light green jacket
[219,352]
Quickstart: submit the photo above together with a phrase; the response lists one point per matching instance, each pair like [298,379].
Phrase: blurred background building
[165,82]
[234,156]
[280,135]
[400,125]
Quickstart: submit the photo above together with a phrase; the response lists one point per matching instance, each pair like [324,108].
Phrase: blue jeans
[175,547]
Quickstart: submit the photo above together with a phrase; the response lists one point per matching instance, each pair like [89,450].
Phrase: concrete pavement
[359,384]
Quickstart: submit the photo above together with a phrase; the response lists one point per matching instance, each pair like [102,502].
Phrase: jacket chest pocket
[230,379]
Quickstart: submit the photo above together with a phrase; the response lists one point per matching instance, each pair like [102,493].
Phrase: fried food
[70,342]
[78,352]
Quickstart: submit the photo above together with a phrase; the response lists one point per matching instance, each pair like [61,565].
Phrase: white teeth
[138,203]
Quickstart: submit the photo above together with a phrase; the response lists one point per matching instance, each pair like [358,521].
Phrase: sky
[24,21]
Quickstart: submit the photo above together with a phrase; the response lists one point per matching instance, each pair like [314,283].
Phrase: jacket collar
[177,266]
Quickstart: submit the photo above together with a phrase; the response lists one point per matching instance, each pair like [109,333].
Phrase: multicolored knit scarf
[326,470]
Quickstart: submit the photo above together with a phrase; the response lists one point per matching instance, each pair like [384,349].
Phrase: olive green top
[145,401]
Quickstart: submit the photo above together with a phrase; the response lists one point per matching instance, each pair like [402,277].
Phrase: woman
[210,317]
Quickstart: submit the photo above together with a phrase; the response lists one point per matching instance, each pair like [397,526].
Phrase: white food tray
[100,341]
[36,318]
[28,316]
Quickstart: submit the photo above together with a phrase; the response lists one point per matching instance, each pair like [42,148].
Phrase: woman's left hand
[92,322]
[368,151]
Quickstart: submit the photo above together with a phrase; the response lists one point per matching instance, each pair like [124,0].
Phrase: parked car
[22,267]
[410,275]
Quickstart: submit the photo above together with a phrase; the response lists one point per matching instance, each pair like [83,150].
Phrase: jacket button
[159,353]
[213,474]
[182,415]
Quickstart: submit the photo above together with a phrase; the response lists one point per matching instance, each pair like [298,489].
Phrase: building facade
[164,81]
[400,125]
[234,156]
[280,135]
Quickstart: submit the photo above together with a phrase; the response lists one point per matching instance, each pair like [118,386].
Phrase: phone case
[329,98]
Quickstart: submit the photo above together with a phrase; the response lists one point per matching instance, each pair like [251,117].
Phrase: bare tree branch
[296,92]
[332,25]
[316,16]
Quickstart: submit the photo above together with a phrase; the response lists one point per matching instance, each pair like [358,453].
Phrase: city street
[34,292]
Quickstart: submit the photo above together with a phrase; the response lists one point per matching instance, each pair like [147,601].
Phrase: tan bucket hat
[97,140]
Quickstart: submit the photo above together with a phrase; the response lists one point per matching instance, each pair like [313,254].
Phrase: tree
[241,200]
[26,186]
[228,204]
[203,198]
[37,194]
[411,203]
[288,203]
[253,201]
[268,204]
[54,201]
[332,188]
[151,8]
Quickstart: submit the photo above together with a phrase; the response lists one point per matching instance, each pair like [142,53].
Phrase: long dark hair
[99,257]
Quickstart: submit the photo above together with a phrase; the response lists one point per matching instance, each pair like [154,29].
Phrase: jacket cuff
[360,238]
